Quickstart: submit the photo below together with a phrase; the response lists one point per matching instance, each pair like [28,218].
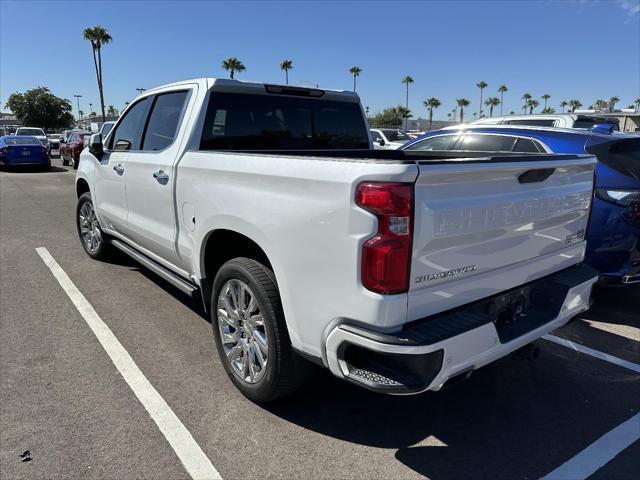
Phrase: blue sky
[584,49]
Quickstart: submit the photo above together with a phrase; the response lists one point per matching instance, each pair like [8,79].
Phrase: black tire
[285,370]
[64,162]
[104,248]
[75,163]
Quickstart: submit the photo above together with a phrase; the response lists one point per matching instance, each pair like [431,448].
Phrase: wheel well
[81,187]
[223,245]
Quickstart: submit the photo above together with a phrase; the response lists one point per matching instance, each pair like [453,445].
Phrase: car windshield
[396,135]
[22,141]
[30,131]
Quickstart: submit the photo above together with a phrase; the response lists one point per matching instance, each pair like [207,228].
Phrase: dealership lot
[64,400]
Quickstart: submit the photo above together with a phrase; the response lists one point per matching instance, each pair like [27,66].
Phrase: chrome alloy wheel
[89,228]
[242,331]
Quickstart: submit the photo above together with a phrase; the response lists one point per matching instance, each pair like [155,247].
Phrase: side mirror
[381,142]
[122,145]
[95,145]
[62,140]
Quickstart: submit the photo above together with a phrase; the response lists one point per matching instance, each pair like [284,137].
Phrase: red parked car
[70,150]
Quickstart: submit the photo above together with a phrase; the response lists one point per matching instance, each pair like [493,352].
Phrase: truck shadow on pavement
[511,419]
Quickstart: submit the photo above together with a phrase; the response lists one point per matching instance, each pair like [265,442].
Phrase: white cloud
[631,7]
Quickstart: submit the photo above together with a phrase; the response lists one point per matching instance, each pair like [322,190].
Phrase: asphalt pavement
[63,400]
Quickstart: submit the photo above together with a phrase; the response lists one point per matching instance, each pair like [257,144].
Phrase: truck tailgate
[481,227]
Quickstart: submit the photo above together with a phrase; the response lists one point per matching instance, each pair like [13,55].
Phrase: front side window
[486,143]
[237,121]
[442,142]
[128,133]
[163,121]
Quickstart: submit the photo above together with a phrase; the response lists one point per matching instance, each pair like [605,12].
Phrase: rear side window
[442,142]
[238,121]
[128,133]
[164,120]
[539,122]
[487,143]
[525,145]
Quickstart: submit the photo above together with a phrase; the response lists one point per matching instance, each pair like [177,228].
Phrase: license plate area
[25,153]
[523,309]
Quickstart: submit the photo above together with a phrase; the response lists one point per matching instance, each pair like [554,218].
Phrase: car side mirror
[381,142]
[62,140]
[122,145]
[95,145]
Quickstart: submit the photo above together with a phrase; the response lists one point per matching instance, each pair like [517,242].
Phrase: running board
[156,268]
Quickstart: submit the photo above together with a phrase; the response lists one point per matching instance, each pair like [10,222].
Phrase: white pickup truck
[397,271]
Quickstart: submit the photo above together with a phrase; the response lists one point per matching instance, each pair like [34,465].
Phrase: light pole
[140,90]
[78,97]
[91,107]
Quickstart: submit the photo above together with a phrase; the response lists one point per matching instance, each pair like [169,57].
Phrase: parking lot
[64,401]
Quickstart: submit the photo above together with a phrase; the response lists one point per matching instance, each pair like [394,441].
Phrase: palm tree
[98,36]
[405,113]
[532,103]
[501,89]
[355,71]
[526,97]
[449,116]
[492,102]
[546,98]
[462,102]
[612,103]
[563,104]
[599,104]
[481,85]
[407,80]
[233,65]
[574,104]
[431,103]
[637,103]
[286,65]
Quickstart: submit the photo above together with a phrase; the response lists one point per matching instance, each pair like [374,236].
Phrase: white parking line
[599,453]
[594,353]
[189,452]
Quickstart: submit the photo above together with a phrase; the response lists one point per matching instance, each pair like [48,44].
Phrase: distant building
[8,123]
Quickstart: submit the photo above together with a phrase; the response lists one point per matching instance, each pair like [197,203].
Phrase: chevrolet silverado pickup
[398,271]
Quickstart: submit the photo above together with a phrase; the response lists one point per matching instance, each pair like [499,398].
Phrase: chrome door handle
[119,169]
[161,177]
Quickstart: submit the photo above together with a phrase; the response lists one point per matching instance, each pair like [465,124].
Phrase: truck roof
[261,88]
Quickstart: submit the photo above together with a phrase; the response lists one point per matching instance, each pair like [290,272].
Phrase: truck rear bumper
[429,352]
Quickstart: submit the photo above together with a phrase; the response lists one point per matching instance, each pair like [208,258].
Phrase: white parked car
[34,132]
[54,143]
[397,271]
[559,120]
[388,138]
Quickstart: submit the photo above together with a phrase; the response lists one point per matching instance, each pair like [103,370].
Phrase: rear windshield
[30,131]
[533,122]
[22,141]
[590,122]
[621,155]
[396,136]
[237,121]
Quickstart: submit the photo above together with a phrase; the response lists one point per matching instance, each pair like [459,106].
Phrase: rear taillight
[386,257]
[45,150]
[3,151]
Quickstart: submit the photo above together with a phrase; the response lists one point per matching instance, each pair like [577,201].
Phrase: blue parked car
[23,150]
[613,243]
